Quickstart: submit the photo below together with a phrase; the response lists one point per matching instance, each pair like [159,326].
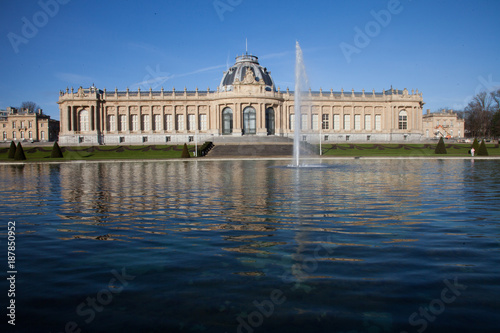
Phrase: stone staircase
[251,150]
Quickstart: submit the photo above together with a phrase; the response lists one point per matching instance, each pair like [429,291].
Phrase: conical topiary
[12,149]
[185,152]
[56,151]
[482,151]
[440,148]
[475,144]
[19,156]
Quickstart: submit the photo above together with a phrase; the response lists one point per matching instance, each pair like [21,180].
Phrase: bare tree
[479,114]
[30,106]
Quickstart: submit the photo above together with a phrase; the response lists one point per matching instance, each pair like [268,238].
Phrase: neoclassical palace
[247,103]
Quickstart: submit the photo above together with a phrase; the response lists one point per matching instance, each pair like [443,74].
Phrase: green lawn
[37,154]
[347,149]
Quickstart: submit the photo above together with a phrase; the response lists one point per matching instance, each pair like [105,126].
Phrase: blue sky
[448,50]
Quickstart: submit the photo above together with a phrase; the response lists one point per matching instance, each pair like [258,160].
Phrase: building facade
[247,103]
[23,125]
[444,124]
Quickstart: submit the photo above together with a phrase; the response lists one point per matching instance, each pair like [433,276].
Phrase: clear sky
[448,50]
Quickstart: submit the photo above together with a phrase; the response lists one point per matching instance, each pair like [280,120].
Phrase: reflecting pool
[253,246]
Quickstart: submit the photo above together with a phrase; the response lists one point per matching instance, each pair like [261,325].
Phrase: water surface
[251,246]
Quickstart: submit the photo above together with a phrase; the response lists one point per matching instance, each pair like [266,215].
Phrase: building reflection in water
[254,207]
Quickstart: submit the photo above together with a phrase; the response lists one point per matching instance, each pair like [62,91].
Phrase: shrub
[56,151]
[19,156]
[482,151]
[440,148]
[475,144]
[185,152]
[12,149]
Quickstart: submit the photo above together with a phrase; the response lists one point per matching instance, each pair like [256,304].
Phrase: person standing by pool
[472,152]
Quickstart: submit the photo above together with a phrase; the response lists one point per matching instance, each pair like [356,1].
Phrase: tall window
[145,122]
[292,122]
[135,122]
[378,122]
[111,123]
[180,122]
[357,122]
[22,124]
[123,122]
[157,124]
[368,122]
[30,124]
[336,121]
[13,124]
[5,135]
[315,120]
[227,121]
[22,135]
[30,134]
[324,124]
[203,122]
[191,122]
[168,122]
[403,120]
[84,120]
[347,121]
[14,135]
[42,135]
[303,123]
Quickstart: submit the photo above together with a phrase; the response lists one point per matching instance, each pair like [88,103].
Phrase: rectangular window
[203,122]
[315,121]
[122,139]
[14,135]
[357,122]
[22,124]
[292,122]
[368,122]
[403,122]
[5,135]
[145,122]
[180,122]
[123,122]
[347,121]
[378,122]
[303,123]
[30,124]
[157,124]
[325,125]
[191,122]
[111,123]
[135,123]
[168,122]
[22,135]
[336,121]
[13,124]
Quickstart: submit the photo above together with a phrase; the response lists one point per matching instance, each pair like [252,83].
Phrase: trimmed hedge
[440,148]
[482,150]
[19,156]
[12,149]
[185,152]
[56,151]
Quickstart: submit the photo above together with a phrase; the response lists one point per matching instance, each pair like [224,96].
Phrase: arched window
[403,120]
[249,121]
[84,120]
[270,121]
[227,121]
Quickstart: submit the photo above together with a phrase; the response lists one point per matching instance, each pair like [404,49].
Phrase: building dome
[239,70]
